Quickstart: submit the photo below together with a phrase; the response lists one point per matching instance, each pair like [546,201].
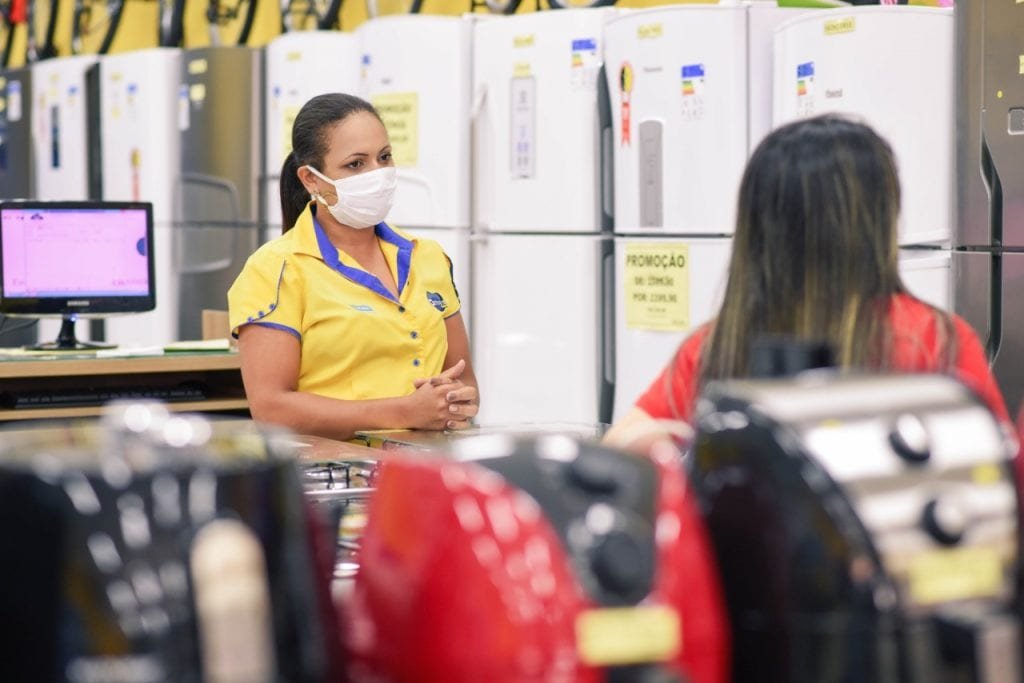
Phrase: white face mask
[364,200]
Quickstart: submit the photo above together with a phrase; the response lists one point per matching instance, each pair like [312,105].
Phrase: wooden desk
[219,372]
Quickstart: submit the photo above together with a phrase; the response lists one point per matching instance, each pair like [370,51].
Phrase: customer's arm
[270,371]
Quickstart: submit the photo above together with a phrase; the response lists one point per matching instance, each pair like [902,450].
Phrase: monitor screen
[76,258]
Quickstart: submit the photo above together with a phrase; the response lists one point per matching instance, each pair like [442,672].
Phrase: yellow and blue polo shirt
[358,341]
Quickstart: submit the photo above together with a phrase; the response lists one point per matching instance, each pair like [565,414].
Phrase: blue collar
[329,253]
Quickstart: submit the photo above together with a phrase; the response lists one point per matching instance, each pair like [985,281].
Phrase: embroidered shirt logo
[437,301]
[363,307]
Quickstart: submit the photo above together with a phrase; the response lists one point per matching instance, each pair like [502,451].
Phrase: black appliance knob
[945,520]
[909,438]
[596,473]
[623,565]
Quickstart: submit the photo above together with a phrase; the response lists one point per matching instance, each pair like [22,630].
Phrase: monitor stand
[66,339]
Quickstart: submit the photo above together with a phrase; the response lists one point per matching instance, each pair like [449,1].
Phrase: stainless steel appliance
[988,257]
[217,218]
[866,529]
[159,548]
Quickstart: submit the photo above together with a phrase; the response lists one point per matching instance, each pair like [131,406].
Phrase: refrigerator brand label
[657,286]
[522,41]
[184,113]
[586,64]
[835,26]
[521,70]
[805,89]
[692,88]
[197,66]
[14,101]
[628,635]
[400,112]
[649,31]
[197,92]
[293,56]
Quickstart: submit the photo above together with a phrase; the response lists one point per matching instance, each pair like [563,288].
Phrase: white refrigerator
[416,71]
[299,66]
[892,68]
[689,99]
[140,152]
[59,130]
[542,249]
[60,138]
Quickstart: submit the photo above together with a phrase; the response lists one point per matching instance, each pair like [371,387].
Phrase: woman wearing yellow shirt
[345,323]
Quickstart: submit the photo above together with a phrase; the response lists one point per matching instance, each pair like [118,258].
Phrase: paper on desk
[130,351]
[199,345]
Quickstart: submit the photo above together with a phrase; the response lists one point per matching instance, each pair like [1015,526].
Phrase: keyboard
[95,396]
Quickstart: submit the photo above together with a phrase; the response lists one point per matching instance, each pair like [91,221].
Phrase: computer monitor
[75,259]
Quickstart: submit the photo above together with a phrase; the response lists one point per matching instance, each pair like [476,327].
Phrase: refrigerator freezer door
[536,325]
[535,82]
[141,148]
[300,65]
[988,289]
[217,200]
[647,332]
[926,274]
[427,115]
[867,61]
[677,79]
[1002,118]
[59,128]
[17,165]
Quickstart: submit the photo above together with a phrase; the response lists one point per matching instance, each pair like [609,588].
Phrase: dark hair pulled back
[309,146]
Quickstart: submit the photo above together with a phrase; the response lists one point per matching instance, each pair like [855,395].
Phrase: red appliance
[540,559]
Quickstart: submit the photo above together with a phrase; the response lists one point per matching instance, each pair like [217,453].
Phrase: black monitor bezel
[73,306]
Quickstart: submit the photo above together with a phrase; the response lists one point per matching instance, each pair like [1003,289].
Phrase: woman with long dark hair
[815,258]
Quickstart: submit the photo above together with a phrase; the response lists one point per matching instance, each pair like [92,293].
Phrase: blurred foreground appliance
[530,560]
[299,66]
[17,168]
[159,549]
[988,263]
[217,212]
[866,529]
[140,149]
[542,248]
[416,72]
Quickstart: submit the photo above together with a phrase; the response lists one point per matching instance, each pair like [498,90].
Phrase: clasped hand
[444,401]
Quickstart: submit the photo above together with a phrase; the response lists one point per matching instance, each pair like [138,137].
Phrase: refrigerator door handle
[606,147]
[183,264]
[994,187]
[606,390]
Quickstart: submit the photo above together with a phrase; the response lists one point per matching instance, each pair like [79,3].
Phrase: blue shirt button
[401,309]
[273,306]
[251,318]
[262,314]
[414,335]
[416,362]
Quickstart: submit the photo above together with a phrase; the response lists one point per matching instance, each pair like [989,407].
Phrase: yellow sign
[657,286]
[287,123]
[834,26]
[522,41]
[400,112]
[649,31]
[197,66]
[293,56]
[955,574]
[628,635]
[1022,64]
[197,92]
[521,70]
